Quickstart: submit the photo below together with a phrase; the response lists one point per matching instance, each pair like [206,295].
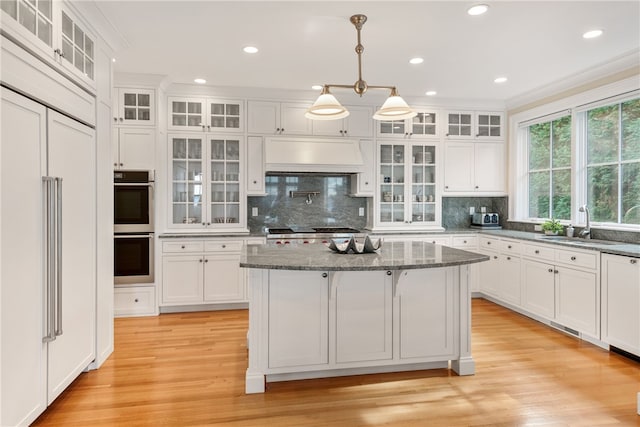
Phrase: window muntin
[549,171]
[613,162]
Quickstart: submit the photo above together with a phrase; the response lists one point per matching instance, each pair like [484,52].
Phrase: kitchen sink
[578,241]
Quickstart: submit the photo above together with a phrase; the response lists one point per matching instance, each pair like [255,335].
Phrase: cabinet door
[298,318]
[263,117]
[223,278]
[363,325]
[424,125]
[391,128]
[621,302]
[182,279]
[489,169]
[489,274]
[459,166]
[224,192]
[366,179]
[226,115]
[392,183]
[137,149]
[422,176]
[538,288]
[359,123]
[186,114]
[72,157]
[510,279]
[135,107]
[293,121]
[255,166]
[329,127]
[459,125]
[577,299]
[489,125]
[186,180]
[426,298]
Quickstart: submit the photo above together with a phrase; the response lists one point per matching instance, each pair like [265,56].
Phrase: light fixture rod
[358,21]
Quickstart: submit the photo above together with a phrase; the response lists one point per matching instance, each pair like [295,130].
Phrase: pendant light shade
[326,107]
[394,108]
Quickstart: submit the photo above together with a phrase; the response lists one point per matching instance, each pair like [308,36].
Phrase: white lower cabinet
[500,277]
[578,300]
[621,302]
[202,272]
[134,301]
[538,288]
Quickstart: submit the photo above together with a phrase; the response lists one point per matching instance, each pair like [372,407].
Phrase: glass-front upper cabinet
[206,115]
[408,193]
[478,125]
[206,176]
[459,125]
[423,125]
[134,107]
[489,125]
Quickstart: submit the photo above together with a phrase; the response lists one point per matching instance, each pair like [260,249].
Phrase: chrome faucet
[586,231]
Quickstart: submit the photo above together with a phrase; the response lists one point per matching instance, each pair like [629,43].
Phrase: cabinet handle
[477,187]
[495,257]
[121,120]
[121,164]
[509,246]
[206,260]
[536,251]
[255,182]
[224,246]
[200,260]
[115,164]
[115,119]
[555,271]
[182,247]
[446,186]
[488,243]
[325,275]
[464,241]
[389,273]
[508,258]
[633,261]
[366,183]
[573,258]
[551,270]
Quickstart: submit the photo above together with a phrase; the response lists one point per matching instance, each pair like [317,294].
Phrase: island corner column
[464,365]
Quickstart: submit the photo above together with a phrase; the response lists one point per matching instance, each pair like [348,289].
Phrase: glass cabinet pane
[144,100]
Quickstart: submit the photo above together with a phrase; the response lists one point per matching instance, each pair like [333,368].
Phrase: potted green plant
[552,227]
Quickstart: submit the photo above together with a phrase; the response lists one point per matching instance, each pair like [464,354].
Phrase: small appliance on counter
[486,221]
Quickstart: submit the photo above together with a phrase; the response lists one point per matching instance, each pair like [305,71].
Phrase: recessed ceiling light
[500,80]
[478,9]
[200,81]
[113,59]
[316,87]
[431,93]
[592,34]
[416,60]
[250,49]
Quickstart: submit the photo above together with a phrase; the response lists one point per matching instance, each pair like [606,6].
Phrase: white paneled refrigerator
[47,255]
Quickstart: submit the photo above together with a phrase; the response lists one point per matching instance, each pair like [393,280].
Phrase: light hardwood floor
[187,369]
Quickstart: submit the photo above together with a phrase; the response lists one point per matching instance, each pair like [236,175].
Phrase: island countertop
[391,256]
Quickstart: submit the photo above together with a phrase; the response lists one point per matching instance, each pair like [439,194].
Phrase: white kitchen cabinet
[468,243]
[423,125]
[363,184]
[205,114]
[278,118]
[578,300]
[479,125]
[408,195]
[133,106]
[358,123]
[500,277]
[489,125]
[298,318]
[423,299]
[202,272]
[134,148]
[459,124]
[134,301]
[43,354]
[538,288]
[255,166]
[363,325]
[205,175]
[621,302]
[53,31]
[474,167]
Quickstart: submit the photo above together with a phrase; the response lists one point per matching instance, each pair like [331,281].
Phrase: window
[34,15]
[613,162]
[549,171]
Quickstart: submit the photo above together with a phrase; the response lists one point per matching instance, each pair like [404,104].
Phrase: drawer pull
[633,261]
[182,247]
[508,258]
[389,273]
[464,241]
[200,260]
[324,275]
[573,258]
[224,246]
[537,251]
[551,270]
[556,271]
[495,257]
[509,246]
[135,300]
[206,260]
[488,243]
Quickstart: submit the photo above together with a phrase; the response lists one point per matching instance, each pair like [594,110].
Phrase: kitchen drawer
[255,241]
[464,242]
[182,246]
[223,245]
[510,247]
[489,243]
[437,240]
[134,301]
[579,259]
[539,252]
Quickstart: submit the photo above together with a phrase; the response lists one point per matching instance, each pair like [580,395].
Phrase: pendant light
[327,107]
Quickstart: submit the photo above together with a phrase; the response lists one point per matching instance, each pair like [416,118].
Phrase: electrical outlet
[361,211]
[472,210]
[254,211]
[537,227]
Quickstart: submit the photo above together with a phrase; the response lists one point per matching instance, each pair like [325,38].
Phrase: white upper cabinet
[471,167]
[205,114]
[54,32]
[357,124]
[134,148]
[474,125]
[424,125]
[134,107]
[278,118]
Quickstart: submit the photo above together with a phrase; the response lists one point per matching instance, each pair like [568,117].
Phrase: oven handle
[130,236]
[133,184]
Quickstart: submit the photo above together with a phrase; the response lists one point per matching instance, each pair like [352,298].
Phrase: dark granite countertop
[391,256]
[207,235]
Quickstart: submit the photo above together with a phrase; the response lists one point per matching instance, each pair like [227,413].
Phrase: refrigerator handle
[48,259]
[58,232]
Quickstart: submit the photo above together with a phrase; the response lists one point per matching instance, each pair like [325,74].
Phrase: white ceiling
[533,43]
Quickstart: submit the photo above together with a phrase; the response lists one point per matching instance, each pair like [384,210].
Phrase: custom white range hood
[299,154]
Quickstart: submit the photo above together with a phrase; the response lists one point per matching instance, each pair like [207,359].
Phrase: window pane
[602,193]
[631,130]
[44,7]
[561,130]
[28,17]
[67,26]
[602,134]
[539,194]
[9,6]
[44,30]
[561,194]
[88,46]
[631,193]
[539,137]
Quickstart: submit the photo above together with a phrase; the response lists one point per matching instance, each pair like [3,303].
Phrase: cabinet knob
[115,164]
[366,183]
[477,187]
[325,275]
[446,134]
[255,182]
[555,271]
[204,223]
[509,258]
[135,300]
[224,246]
[121,119]
[277,129]
[573,258]
[633,261]
[488,243]
[200,260]
[551,270]
[446,186]
[495,257]
[208,127]
[389,273]
[464,241]
[182,247]
[509,246]
[115,119]
[536,251]
[281,130]
[121,164]
[208,223]
[206,260]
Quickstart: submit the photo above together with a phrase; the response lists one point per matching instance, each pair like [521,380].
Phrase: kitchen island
[314,313]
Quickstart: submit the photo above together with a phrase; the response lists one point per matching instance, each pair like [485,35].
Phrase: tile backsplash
[455,210]
[332,206]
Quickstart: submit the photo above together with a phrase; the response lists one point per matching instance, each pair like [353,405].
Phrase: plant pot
[550,233]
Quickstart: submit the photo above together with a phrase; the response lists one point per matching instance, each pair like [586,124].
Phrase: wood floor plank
[187,369]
